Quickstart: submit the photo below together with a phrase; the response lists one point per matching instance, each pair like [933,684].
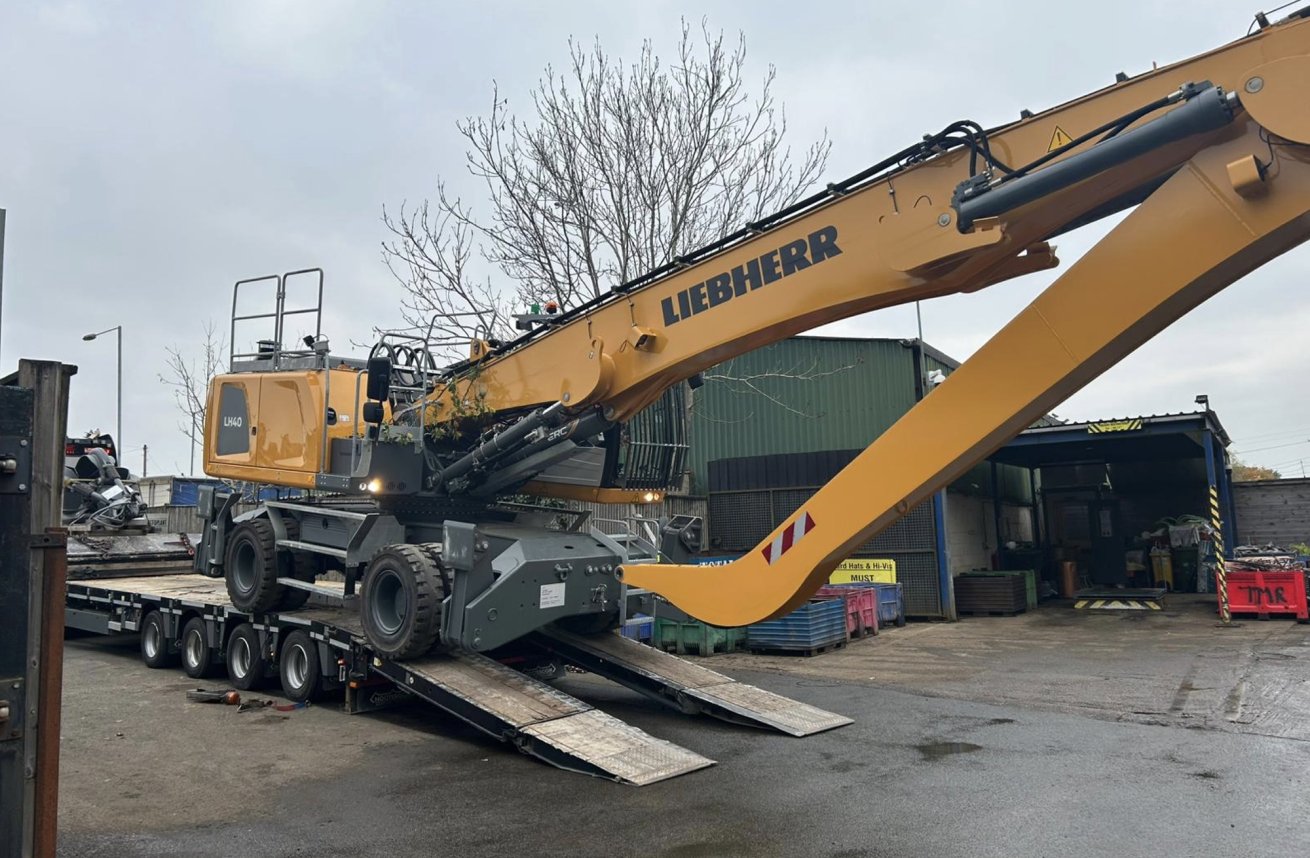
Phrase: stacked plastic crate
[813,628]
[861,607]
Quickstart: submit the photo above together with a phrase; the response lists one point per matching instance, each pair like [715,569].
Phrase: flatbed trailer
[321,648]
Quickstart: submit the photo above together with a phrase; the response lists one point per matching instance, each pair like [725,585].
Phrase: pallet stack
[991,595]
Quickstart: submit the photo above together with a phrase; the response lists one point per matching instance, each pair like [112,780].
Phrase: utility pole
[145,451]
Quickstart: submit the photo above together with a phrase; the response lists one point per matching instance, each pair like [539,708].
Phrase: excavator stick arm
[1237,203]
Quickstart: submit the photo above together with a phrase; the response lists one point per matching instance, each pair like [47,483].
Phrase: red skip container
[861,607]
[1269,591]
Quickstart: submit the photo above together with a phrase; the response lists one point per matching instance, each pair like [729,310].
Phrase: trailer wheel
[251,567]
[197,657]
[247,664]
[155,649]
[400,601]
[298,667]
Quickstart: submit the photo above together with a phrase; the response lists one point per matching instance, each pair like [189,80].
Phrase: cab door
[230,433]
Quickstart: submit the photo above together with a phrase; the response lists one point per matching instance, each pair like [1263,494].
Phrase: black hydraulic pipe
[505,442]
[1206,111]
[587,426]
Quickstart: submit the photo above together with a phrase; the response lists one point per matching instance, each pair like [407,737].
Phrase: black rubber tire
[197,656]
[400,602]
[156,650]
[246,661]
[298,668]
[250,567]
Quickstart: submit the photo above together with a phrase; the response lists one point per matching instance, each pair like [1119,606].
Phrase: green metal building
[771,427]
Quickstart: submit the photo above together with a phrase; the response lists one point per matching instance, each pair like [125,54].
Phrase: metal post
[17,793]
[118,437]
[944,581]
[118,431]
[1234,535]
[2,275]
[49,383]
[1216,523]
[1229,532]
[1036,509]
[53,545]
[996,511]
[33,422]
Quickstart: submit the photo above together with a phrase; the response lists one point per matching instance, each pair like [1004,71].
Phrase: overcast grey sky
[153,153]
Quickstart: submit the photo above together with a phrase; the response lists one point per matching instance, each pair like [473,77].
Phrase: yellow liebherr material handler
[1213,153]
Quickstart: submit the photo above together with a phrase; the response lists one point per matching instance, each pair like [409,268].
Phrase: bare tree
[188,373]
[619,169]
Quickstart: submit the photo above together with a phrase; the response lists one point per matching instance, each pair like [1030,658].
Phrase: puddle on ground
[932,751]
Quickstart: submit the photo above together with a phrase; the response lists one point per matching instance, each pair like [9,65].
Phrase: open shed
[1103,485]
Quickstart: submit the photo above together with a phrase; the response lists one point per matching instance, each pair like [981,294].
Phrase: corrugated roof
[1207,416]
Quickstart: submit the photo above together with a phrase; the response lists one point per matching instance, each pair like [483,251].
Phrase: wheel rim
[390,603]
[243,566]
[195,648]
[241,657]
[298,666]
[152,640]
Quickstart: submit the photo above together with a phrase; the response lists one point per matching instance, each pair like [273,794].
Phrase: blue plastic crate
[639,627]
[891,604]
[812,626]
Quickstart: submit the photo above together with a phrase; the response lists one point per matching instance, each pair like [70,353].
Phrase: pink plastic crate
[861,607]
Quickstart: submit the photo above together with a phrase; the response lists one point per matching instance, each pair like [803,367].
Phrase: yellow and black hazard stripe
[1114,426]
[1220,570]
[1118,605]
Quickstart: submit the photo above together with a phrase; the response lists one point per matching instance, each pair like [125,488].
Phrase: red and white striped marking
[783,542]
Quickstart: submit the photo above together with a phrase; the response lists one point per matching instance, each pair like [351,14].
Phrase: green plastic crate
[1030,580]
[691,636]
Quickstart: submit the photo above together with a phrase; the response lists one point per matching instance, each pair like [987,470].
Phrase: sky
[152,154]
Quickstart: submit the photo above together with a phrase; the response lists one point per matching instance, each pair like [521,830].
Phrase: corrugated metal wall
[1276,511]
[809,394]
[800,395]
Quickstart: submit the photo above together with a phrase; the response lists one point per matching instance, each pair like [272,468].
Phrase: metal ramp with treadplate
[1112,599]
[686,687]
[539,720]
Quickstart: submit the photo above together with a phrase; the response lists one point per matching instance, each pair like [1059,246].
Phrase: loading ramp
[533,716]
[687,687]
[539,720]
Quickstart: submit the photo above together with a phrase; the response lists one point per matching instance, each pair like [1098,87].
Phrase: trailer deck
[535,717]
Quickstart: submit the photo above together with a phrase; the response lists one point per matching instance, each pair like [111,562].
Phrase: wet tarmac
[918,774]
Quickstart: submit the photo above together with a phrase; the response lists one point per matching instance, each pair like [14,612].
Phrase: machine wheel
[251,568]
[298,666]
[400,601]
[247,665]
[197,657]
[155,651]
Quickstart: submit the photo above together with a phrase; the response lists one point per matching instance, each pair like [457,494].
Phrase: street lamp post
[118,432]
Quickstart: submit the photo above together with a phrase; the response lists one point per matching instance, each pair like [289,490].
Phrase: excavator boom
[1211,151]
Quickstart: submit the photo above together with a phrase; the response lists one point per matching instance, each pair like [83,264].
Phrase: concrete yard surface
[1051,733]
